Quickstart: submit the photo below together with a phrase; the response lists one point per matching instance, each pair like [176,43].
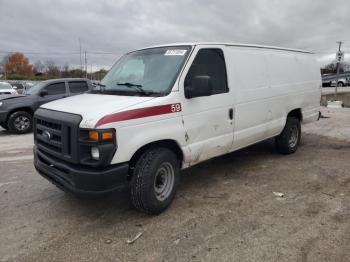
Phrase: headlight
[0,103]
[97,146]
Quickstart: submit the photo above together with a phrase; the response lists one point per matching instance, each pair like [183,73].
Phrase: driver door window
[56,89]
[209,62]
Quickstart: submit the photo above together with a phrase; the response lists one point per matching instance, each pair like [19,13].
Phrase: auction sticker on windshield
[175,52]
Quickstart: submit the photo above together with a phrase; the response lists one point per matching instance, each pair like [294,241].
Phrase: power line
[59,53]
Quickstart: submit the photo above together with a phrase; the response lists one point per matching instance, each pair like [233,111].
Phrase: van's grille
[56,134]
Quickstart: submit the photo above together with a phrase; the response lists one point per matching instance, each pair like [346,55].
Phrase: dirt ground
[225,209]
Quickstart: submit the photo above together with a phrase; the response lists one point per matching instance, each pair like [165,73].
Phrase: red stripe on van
[139,113]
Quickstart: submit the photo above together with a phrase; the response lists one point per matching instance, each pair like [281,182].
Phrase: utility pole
[339,58]
[85,65]
[81,62]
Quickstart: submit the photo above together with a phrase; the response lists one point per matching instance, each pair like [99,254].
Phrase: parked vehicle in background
[16,111]
[29,85]
[341,82]
[7,89]
[20,88]
[329,80]
[166,108]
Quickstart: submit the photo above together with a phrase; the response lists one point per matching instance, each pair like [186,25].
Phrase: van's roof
[232,44]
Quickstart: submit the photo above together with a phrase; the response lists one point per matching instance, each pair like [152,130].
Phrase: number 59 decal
[175,108]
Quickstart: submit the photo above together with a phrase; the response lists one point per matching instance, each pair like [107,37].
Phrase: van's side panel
[295,80]
[248,78]
[268,84]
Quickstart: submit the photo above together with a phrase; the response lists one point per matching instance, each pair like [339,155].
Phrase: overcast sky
[107,28]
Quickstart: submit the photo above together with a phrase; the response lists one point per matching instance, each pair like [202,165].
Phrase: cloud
[49,30]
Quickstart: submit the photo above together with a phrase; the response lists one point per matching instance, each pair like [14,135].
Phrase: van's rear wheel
[155,180]
[288,141]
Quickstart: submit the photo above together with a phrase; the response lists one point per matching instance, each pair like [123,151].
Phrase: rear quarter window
[78,87]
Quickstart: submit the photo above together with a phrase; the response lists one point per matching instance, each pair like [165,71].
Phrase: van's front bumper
[81,180]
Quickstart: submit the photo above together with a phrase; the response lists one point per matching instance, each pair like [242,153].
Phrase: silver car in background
[7,89]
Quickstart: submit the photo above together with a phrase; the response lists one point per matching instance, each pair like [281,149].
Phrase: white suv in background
[7,89]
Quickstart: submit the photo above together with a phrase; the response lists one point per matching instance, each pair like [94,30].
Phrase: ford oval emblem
[47,135]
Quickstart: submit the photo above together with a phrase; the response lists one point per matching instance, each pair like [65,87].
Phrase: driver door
[208,120]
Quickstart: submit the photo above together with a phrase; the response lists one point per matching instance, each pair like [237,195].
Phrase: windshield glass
[146,72]
[5,86]
[35,89]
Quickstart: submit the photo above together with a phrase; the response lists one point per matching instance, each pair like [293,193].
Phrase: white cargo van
[165,108]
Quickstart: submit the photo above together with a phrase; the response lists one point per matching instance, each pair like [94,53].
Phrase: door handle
[230,113]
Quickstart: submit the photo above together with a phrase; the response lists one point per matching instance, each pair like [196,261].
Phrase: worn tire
[143,184]
[12,125]
[286,142]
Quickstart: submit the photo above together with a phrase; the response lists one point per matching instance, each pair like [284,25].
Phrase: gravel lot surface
[225,209]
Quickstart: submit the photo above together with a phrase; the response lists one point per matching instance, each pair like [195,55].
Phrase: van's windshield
[148,72]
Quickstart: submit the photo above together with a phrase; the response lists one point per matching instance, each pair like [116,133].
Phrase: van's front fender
[132,137]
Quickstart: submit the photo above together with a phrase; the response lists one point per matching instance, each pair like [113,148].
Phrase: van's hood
[93,107]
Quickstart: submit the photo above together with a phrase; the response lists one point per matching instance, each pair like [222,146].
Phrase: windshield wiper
[138,87]
[128,84]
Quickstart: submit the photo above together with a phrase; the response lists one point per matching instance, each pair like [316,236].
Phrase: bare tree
[65,71]
[39,67]
[52,69]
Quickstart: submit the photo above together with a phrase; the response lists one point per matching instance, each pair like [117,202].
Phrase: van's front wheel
[288,141]
[155,180]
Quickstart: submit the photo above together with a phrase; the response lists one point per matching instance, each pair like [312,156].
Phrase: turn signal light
[107,135]
[94,135]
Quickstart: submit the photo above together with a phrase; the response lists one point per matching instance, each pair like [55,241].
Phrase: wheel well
[25,109]
[296,113]
[170,144]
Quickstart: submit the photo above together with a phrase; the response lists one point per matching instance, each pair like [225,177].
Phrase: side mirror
[200,86]
[43,93]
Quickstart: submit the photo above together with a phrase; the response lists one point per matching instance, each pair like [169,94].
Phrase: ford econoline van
[166,108]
